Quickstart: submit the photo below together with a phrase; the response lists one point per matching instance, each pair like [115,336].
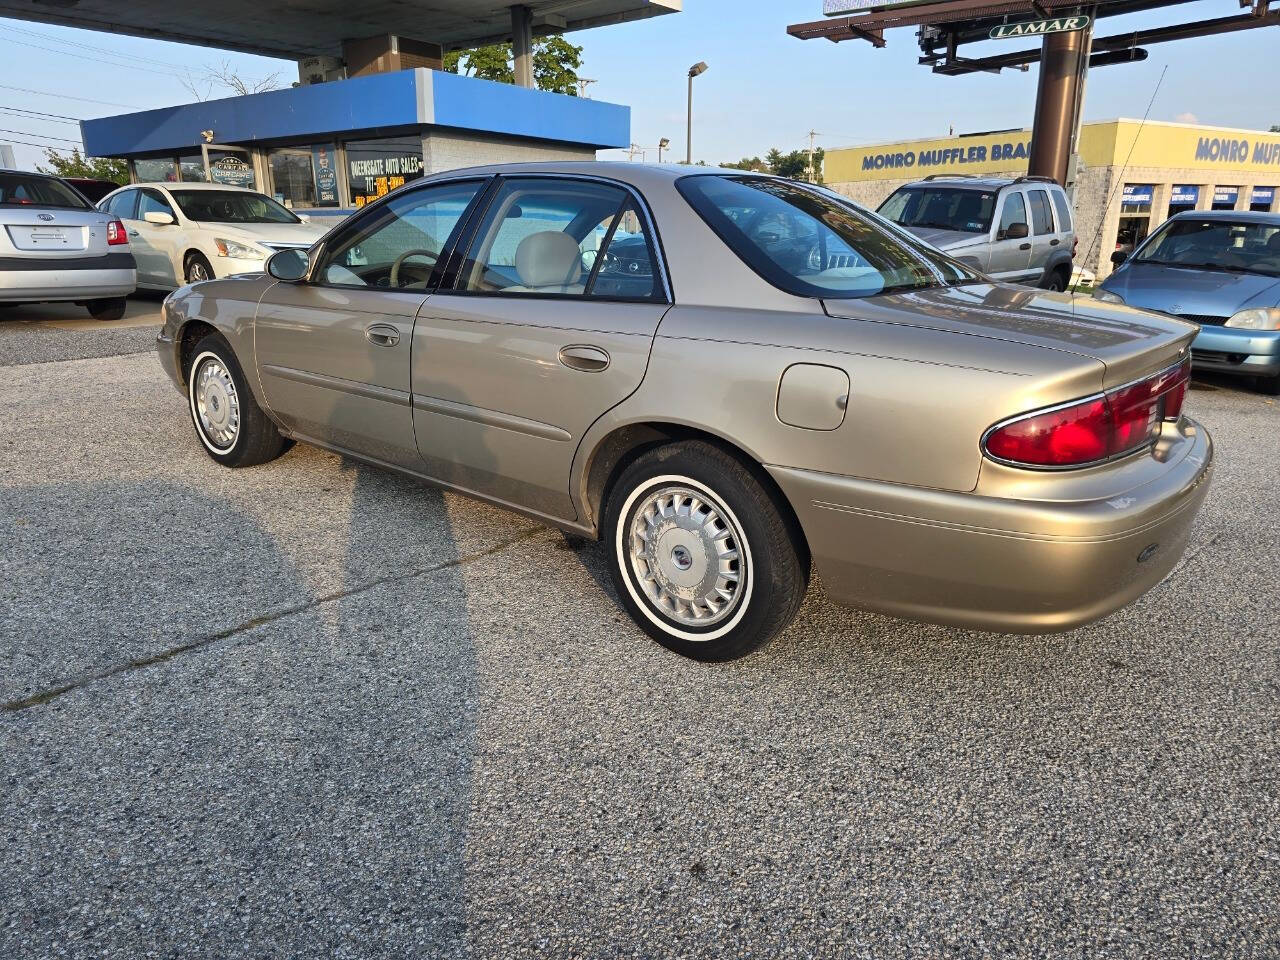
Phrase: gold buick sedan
[727,377]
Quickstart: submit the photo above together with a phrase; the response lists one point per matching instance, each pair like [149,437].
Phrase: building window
[1224,198]
[1261,199]
[1183,197]
[376,167]
[191,168]
[1135,215]
[155,170]
[305,176]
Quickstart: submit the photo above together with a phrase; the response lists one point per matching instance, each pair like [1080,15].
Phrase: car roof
[1235,216]
[960,181]
[190,185]
[30,173]
[638,175]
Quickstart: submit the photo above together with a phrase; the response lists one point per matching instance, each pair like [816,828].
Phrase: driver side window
[1014,211]
[396,244]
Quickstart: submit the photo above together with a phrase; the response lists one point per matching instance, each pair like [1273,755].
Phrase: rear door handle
[1025,246]
[382,335]
[584,357]
[1054,242]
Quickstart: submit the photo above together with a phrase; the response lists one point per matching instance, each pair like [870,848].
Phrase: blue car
[1220,270]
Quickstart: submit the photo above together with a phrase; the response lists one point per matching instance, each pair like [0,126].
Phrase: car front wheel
[703,558]
[198,269]
[234,430]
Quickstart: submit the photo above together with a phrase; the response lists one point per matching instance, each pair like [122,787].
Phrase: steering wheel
[394,279]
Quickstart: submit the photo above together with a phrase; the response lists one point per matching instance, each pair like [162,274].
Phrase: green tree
[74,164]
[748,163]
[556,62]
[1275,128]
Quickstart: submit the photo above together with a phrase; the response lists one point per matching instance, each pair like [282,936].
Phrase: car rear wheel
[112,309]
[234,430]
[197,268]
[702,556]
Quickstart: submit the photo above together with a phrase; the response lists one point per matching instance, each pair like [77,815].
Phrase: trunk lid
[53,232]
[1129,343]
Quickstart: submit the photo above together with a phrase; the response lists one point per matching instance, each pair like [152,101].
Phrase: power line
[46,146]
[82,56]
[39,115]
[67,96]
[42,136]
[93,47]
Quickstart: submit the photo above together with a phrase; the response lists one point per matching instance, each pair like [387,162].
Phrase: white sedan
[186,232]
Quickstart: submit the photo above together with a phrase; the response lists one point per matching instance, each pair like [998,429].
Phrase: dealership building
[1131,176]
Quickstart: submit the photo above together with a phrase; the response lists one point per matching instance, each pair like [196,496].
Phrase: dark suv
[1019,230]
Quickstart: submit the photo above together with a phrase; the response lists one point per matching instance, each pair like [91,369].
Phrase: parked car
[945,448]
[1019,230]
[186,232]
[55,247]
[1220,270]
[91,188]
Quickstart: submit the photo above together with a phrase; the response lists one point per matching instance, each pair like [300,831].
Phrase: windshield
[1230,245]
[813,245]
[944,208]
[26,190]
[230,206]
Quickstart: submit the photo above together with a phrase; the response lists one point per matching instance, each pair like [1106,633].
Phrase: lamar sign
[1037,28]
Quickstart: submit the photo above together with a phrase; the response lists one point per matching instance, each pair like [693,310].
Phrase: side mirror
[1016,231]
[288,265]
[158,217]
[1119,257]
[305,218]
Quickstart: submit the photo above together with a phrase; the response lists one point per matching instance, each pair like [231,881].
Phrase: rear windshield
[26,190]
[1231,246]
[942,208]
[812,244]
[230,206]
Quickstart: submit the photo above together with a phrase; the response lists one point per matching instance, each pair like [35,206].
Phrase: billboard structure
[1068,47]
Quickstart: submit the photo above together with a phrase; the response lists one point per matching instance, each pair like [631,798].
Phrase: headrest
[548,259]
[1273,244]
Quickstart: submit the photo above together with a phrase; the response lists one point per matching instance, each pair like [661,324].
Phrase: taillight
[116,233]
[1095,429]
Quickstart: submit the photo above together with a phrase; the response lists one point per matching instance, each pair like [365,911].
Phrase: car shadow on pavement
[205,753]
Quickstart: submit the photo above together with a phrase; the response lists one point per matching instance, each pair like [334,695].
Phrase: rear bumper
[997,564]
[72,281]
[1231,350]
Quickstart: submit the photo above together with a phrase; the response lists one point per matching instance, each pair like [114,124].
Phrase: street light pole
[662,145]
[697,68]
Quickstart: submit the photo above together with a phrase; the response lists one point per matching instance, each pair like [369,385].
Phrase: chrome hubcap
[217,404]
[685,552]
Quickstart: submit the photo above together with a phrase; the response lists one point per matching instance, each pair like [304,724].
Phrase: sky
[763,88]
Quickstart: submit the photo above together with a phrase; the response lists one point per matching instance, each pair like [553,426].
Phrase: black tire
[196,263]
[106,310]
[772,565]
[254,439]
[1269,385]
[1057,281]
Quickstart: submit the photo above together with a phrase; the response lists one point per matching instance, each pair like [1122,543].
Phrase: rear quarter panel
[919,399]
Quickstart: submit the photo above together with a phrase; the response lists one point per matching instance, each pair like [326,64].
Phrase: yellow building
[1132,175]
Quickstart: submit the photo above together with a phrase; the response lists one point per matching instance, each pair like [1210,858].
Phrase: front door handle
[1054,242]
[584,357]
[382,335]
[1025,246]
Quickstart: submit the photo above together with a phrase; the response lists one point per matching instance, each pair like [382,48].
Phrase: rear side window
[1041,215]
[1064,211]
[565,238]
[810,244]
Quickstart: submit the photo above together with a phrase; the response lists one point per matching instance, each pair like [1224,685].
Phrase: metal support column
[522,44]
[1062,62]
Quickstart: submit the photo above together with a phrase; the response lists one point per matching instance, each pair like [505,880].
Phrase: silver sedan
[727,377]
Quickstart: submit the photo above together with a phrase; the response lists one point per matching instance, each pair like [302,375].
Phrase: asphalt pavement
[314,709]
